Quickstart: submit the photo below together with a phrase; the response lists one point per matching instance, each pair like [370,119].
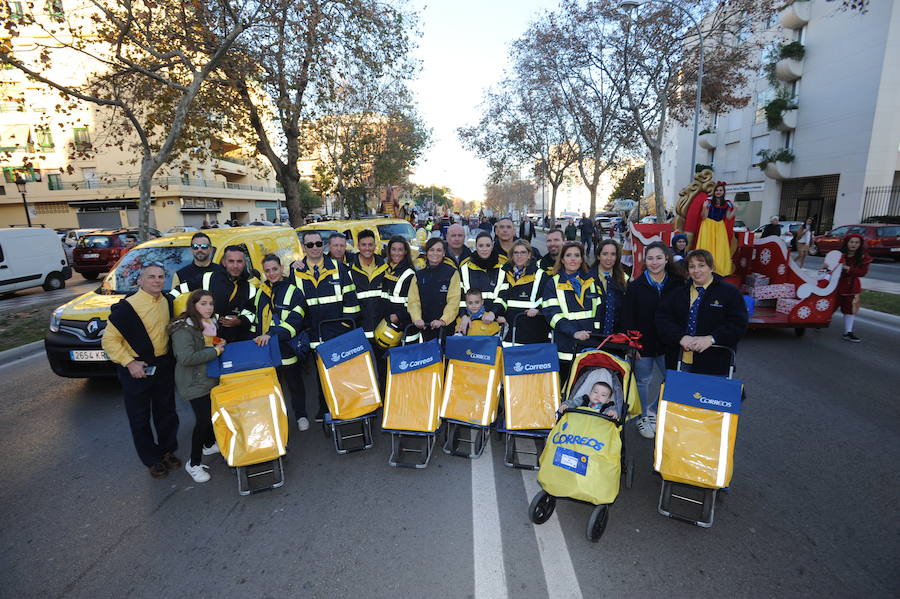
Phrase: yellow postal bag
[414,388]
[347,375]
[472,383]
[530,386]
[249,417]
[582,458]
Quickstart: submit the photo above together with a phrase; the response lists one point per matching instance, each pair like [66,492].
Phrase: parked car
[384,229]
[179,229]
[882,240]
[73,341]
[648,220]
[30,257]
[71,236]
[98,251]
[739,226]
[789,228]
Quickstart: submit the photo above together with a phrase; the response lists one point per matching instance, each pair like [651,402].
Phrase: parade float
[779,293]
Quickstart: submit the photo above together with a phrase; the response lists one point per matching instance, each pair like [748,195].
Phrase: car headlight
[55,319]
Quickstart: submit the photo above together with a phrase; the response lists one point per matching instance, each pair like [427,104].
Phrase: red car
[882,240]
[98,251]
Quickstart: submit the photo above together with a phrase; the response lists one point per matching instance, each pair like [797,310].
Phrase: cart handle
[599,414]
[352,322]
[415,329]
[731,356]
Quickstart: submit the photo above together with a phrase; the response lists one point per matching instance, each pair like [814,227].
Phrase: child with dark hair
[854,266]
[599,398]
[475,311]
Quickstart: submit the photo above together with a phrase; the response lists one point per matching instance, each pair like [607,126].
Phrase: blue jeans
[643,374]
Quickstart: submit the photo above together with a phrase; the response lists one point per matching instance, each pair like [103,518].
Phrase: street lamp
[629,6]
[20,184]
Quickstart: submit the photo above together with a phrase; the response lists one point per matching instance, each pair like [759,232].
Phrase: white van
[31,257]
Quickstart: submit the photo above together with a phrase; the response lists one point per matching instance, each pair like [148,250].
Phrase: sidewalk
[869,284]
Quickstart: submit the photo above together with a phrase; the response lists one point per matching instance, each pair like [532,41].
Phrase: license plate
[90,255]
[895,249]
[88,355]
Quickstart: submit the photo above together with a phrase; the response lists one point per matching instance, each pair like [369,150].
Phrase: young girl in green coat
[194,342]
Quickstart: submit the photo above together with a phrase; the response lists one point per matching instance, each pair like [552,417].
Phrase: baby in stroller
[599,398]
[599,389]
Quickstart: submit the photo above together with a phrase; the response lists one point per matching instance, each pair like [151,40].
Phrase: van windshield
[124,278]
[404,229]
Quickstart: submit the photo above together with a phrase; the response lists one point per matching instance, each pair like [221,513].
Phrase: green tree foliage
[630,186]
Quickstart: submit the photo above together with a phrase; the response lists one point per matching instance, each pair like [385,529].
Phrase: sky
[464,50]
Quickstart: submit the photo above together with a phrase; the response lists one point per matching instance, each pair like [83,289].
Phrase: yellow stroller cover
[472,383]
[347,375]
[582,458]
[249,417]
[530,386]
[696,425]
[414,383]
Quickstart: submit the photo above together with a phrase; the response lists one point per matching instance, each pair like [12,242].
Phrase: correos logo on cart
[475,356]
[711,401]
[563,438]
[336,357]
[519,367]
[404,365]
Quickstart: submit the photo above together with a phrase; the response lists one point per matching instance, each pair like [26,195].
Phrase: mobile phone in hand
[149,370]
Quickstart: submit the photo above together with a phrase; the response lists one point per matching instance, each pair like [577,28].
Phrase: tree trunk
[145,182]
[656,159]
[291,187]
[593,193]
[554,189]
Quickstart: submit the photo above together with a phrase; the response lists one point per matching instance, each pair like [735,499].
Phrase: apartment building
[76,178]
[827,120]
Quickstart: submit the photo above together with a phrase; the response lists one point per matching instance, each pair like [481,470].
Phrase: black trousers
[151,398]
[291,378]
[203,429]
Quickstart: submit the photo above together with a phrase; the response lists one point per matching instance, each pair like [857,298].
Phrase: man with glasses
[330,294]
[202,273]
[136,339]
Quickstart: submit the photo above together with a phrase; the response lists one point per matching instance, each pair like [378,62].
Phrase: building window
[44,139]
[82,138]
[2,190]
[54,182]
[762,100]
[759,143]
[90,178]
[55,8]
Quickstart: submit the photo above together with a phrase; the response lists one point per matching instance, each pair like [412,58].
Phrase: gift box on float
[778,291]
[785,305]
[754,279]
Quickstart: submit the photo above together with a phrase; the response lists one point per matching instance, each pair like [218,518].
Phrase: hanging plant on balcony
[769,156]
[793,50]
[775,111]
[707,131]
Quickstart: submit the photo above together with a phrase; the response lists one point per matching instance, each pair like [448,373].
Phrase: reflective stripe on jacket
[567,313]
[331,296]
[280,313]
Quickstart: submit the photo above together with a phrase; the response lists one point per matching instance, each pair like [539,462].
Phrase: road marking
[490,571]
[559,573]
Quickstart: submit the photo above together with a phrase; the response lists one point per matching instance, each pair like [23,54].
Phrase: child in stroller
[599,398]
[597,388]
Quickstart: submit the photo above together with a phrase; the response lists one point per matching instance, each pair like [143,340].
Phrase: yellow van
[384,229]
[73,341]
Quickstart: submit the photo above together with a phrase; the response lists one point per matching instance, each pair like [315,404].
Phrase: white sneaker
[211,450]
[645,428]
[303,423]
[198,473]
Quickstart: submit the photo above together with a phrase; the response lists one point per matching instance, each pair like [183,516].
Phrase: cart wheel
[326,430]
[597,523]
[629,473]
[541,507]
[799,332]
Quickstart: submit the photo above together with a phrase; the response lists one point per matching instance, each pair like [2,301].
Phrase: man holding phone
[137,341]
[202,273]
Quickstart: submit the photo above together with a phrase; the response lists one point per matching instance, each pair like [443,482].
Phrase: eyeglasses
[520,252]
[200,246]
[313,244]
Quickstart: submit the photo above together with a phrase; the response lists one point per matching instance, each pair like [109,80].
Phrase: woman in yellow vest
[611,281]
[571,304]
[482,270]
[522,293]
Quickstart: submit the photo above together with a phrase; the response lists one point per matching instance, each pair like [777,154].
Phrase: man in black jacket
[236,314]
[526,229]
[202,273]
[772,229]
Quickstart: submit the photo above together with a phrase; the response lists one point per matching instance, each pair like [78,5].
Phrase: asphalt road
[809,514]
[34,296]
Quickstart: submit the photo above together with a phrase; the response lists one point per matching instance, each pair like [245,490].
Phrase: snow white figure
[717,229]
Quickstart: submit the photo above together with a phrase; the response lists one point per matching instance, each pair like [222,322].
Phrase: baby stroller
[471,393]
[347,375]
[584,458]
[696,428]
[530,399]
[415,376]
[249,416]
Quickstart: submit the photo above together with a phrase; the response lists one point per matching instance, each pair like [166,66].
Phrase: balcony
[794,15]
[227,165]
[165,182]
[778,170]
[789,69]
[788,121]
[707,141]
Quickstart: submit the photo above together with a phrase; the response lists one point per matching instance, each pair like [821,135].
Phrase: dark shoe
[159,471]
[171,461]
[851,338]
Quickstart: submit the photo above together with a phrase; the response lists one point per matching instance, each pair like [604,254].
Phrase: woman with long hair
[611,280]
[717,229]
[854,265]
[481,271]
[661,276]
[523,285]
[194,343]
[397,281]
[570,304]
[435,293]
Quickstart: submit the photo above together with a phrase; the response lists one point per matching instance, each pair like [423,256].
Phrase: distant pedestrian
[136,339]
[773,229]
[526,229]
[804,238]
[571,231]
[587,232]
[854,265]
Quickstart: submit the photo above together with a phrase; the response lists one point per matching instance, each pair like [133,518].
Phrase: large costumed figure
[717,229]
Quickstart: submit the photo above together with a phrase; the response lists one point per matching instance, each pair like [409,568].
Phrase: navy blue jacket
[639,311]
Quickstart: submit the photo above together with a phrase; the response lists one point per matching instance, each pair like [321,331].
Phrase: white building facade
[842,124]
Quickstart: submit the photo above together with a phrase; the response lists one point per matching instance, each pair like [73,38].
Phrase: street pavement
[36,296]
[809,512]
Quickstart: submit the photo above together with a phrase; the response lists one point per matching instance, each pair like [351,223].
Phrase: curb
[881,317]
[23,351]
